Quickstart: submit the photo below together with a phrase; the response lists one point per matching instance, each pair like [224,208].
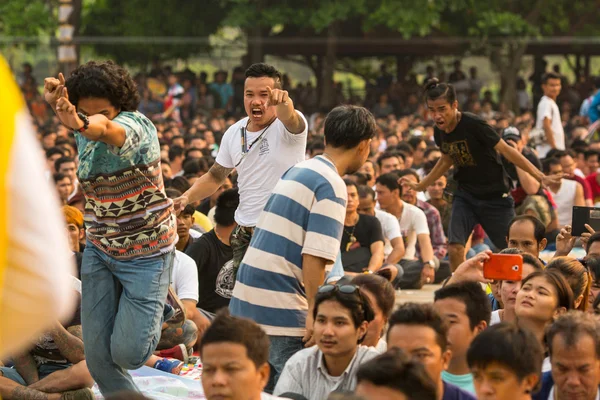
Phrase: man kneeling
[53,369]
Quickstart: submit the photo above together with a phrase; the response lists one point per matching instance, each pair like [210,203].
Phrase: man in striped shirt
[298,234]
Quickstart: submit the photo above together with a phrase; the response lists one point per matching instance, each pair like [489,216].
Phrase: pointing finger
[61,78]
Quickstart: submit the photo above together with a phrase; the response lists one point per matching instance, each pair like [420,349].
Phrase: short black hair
[175,151]
[395,370]
[226,328]
[358,305]
[539,230]
[415,141]
[549,162]
[179,183]
[190,150]
[194,166]
[385,155]
[262,70]
[571,326]
[507,344]
[365,191]
[550,75]
[62,160]
[477,304]
[414,314]
[590,153]
[58,176]
[390,181]
[53,151]
[431,150]
[227,203]
[434,89]
[347,126]
[408,171]
[594,238]
[350,182]
[103,80]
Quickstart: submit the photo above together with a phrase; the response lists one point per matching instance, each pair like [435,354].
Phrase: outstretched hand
[552,179]
[404,181]
[277,97]
[472,269]
[565,241]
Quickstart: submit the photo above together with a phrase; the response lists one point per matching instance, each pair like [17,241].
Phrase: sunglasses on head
[345,289]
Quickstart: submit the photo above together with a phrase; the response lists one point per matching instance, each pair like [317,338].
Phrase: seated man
[341,317]
[436,199]
[566,193]
[394,376]
[64,187]
[362,238]
[434,220]
[185,221]
[413,225]
[389,161]
[418,330]
[235,354]
[75,233]
[179,332]
[54,368]
[465,309]
[574,347]
[393,249]
[506,362]
[213,257]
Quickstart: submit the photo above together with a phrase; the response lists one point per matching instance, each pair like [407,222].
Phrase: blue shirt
[594,110]
[452,392]
[304,215]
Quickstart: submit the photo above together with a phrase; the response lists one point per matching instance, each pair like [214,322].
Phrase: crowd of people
[237,220]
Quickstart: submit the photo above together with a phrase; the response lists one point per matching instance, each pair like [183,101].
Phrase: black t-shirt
[215,271]
[368,231]
[478,167]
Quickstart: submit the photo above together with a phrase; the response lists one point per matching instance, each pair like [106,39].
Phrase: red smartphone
[504,267]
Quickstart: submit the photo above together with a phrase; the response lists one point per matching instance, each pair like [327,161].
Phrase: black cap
[511,133]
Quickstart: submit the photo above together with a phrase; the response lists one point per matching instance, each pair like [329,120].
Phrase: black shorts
[493,215]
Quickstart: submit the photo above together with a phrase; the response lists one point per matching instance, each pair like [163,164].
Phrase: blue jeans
[121,314]
[282,349]
[43,371]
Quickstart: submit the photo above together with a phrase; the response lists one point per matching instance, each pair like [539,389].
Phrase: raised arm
[286,113]
[69,342]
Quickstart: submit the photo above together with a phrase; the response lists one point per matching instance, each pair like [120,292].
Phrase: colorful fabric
[35,260]
[127,213]
[436,230]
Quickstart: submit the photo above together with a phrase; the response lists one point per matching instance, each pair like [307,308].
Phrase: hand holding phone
[503,267]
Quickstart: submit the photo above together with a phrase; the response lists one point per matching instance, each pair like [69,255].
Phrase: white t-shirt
[185,277]
[547,108]
[412,223]
[277,151]
[391,229]
[495,318]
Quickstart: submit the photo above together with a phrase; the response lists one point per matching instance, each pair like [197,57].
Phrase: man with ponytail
[473,147]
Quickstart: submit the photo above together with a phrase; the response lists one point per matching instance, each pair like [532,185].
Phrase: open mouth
[257,112]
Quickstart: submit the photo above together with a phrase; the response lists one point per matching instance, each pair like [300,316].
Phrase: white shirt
[185,277]
[391,229]
[276,152]
[547,108]
[495,318]
[412,223]
[565,199]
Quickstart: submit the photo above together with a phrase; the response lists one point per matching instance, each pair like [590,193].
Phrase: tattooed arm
[69,342]
[26,367]
[204,186]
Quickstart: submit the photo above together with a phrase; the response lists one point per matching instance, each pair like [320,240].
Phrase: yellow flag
[35,262]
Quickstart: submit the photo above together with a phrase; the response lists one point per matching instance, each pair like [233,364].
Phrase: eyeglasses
[345,289]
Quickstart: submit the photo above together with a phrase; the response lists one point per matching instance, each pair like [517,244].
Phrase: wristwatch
[86,122]
[430,264]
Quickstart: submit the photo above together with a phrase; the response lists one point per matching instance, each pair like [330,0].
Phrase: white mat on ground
[160,385]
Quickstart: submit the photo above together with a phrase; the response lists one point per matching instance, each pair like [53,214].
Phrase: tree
[162,29]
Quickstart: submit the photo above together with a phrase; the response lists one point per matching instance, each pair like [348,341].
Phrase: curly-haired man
[130,223]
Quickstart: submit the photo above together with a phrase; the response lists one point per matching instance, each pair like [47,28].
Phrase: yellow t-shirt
[202,221]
